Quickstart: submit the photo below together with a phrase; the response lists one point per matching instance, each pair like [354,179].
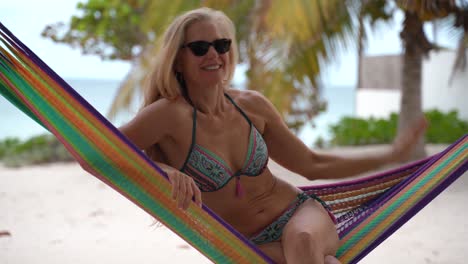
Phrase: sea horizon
[101,92]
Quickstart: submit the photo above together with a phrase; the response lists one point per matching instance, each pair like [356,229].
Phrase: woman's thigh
[274,250]
[311,218]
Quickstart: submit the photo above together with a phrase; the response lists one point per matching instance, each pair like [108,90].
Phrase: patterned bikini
[211,173]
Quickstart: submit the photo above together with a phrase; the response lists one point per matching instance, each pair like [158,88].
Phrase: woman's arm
[290,152]
[149,126]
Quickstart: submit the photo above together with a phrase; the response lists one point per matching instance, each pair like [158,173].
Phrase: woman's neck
[208,100]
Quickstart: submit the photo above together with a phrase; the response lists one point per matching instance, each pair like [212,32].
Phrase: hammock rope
[100,149]
[368,210]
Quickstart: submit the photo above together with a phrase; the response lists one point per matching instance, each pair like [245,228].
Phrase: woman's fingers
[184,190]
[175,185]
[188,193]
[197,194]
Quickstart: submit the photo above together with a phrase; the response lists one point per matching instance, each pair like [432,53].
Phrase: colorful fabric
[274,231]
[211,172]
[367,210]
[103,151]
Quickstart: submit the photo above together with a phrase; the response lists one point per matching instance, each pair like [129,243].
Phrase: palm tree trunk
[360,47]
[416,46]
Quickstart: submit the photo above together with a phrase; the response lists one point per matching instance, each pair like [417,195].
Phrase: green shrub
[36,150]
[5,145]
[444,128]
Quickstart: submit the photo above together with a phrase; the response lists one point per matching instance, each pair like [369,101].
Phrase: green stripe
[87,150]
[10,96]
[396,204]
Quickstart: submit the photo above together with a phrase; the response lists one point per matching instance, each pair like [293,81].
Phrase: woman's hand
[405,143]
[184,189]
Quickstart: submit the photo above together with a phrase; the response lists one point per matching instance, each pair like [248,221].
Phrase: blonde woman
[215,143]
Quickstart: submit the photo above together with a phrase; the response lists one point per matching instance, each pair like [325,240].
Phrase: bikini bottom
[273,231]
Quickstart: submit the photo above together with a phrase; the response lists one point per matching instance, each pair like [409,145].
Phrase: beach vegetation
[283,44]
[444,128]
[36,150]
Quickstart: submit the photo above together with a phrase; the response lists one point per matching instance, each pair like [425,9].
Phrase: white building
[379,92]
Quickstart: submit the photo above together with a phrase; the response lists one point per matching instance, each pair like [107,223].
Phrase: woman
[214,143]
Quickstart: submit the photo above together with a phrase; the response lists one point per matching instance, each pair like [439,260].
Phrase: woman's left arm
[290,152]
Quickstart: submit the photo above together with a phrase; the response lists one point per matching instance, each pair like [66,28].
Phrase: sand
[58,213]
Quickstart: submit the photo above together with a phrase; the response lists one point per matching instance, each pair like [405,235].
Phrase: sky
[27,18]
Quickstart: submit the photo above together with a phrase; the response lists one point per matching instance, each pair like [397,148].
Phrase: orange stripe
[369,237]
[97,141]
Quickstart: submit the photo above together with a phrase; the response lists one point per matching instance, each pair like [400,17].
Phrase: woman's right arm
[148,127]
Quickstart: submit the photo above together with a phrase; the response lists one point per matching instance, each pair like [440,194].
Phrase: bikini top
[211,173]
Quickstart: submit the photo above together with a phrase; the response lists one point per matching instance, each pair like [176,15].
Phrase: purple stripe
[66,87]
[72,92]
[384,174]
[238,235]
[413,211]
[25,50]
[20,46]
[377,203]
[397,188]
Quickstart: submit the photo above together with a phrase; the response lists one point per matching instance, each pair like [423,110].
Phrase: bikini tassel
[239,190]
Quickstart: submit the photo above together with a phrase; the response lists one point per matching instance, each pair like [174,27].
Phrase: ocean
[100,94]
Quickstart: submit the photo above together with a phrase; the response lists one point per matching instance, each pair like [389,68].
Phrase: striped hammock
[368,210]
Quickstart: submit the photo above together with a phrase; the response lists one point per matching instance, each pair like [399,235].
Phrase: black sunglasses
[201,47]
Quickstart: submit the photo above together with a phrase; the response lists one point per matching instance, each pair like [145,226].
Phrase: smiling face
[209,69]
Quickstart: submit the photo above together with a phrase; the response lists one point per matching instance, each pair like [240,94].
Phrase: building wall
[437,93]
[377,103]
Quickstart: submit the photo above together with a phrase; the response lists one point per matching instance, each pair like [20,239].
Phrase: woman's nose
[211,52]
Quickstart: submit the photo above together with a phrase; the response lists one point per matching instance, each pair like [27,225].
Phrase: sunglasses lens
[199,48]
[222,45]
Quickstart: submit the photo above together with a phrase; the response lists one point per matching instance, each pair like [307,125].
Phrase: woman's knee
[303,239]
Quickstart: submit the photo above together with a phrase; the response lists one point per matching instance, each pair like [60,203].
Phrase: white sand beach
[58,213]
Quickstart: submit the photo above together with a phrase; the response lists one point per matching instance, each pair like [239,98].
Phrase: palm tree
[284,43]
[318,27]
[417,46]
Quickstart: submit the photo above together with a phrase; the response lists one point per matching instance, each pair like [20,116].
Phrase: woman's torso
[228,136]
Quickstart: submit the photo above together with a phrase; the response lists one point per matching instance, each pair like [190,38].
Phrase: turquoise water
[340,102]
[100,94]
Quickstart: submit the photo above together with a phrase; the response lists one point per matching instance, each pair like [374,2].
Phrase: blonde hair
[163,82]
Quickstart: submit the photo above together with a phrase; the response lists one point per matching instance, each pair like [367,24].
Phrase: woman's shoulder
[169,110]
[252,101]
[173,106]
[248,98]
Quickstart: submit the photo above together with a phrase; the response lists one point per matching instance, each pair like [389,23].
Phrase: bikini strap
[238,108]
